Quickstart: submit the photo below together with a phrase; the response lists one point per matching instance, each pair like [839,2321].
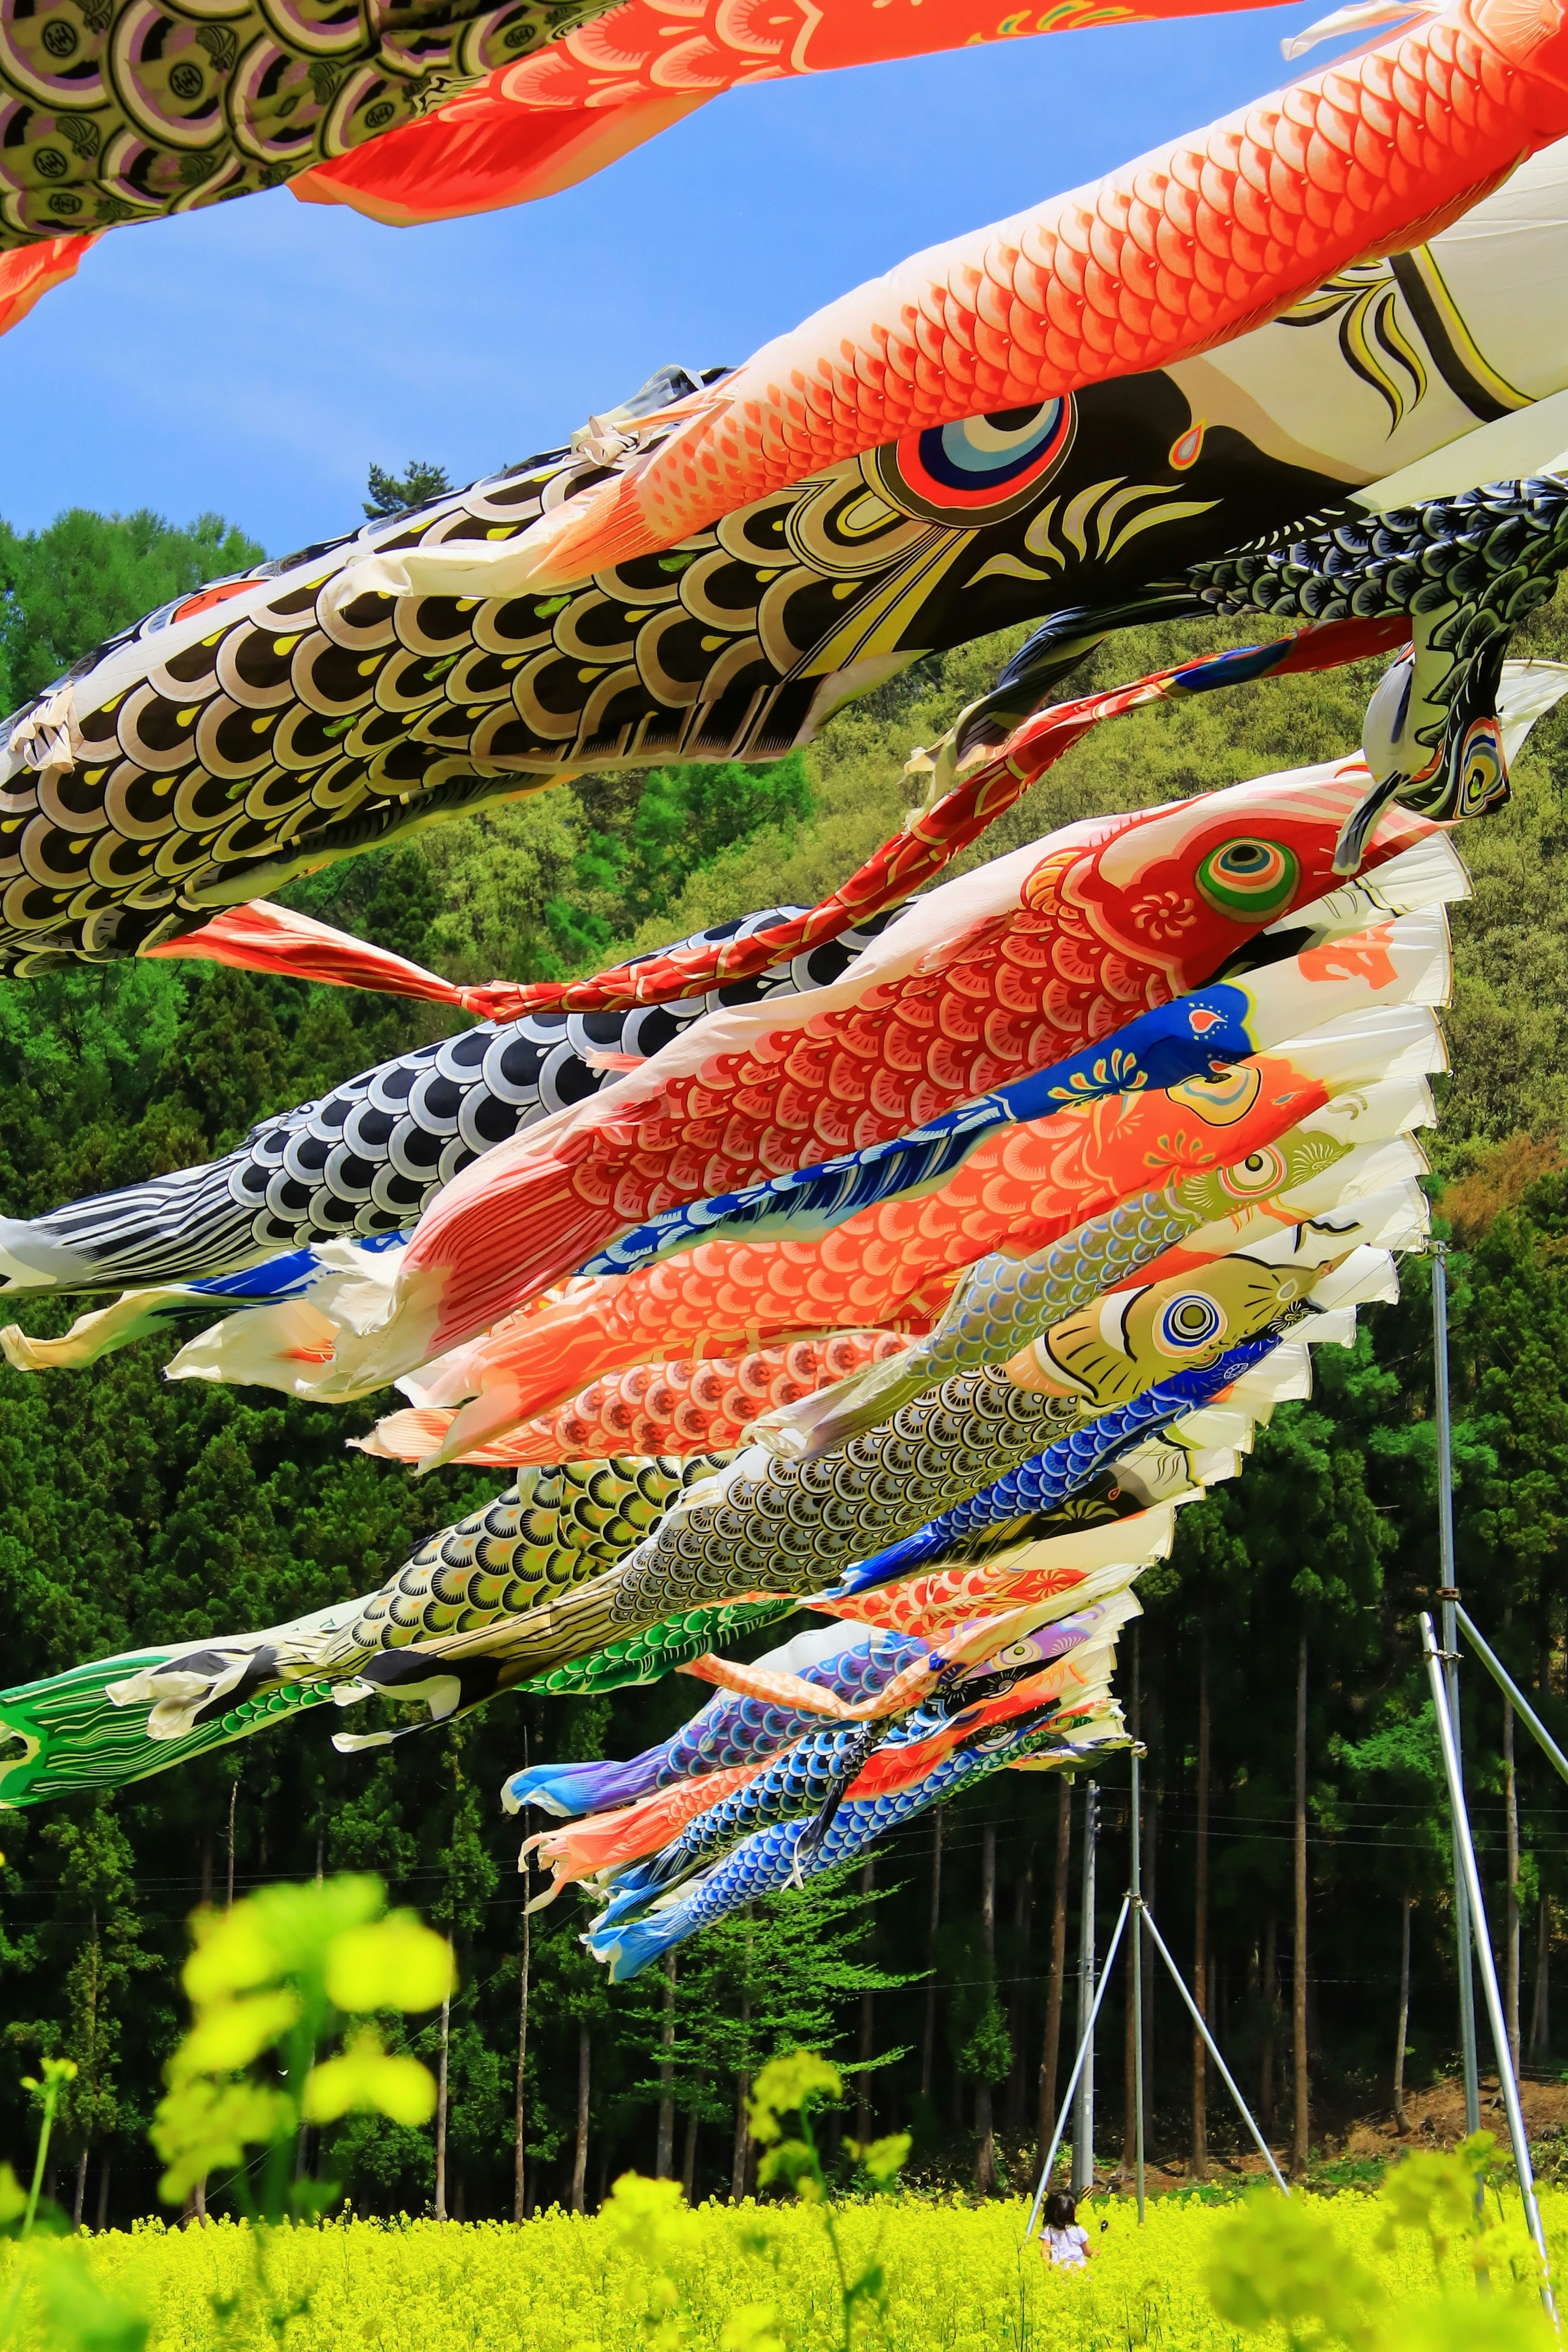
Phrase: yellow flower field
[753,2278]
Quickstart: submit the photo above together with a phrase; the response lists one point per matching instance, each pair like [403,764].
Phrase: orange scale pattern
[1162,258]
[892,1265]
[1066,965]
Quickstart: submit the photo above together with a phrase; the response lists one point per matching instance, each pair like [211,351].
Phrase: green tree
[65,588]
[394,494]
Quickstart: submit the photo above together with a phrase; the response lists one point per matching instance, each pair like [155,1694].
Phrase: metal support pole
[1450,1597]
[1212,2046]
[1083,2049]
[1485,1961]
[1136,1899]
[1510,1690]
[1088,2003]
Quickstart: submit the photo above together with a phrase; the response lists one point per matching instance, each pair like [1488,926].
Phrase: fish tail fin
[632,1945]
[104,1328]
[1351,847]
[609,528]
[75,1736]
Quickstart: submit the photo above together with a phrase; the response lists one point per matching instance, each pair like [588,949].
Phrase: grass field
[740,2279]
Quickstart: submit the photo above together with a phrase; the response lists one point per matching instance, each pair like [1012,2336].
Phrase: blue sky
[255,359]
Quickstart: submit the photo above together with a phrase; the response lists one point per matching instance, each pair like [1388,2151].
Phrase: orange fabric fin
[34,270]
[264,937]
[577,1849]
[485,153]
[757,1682]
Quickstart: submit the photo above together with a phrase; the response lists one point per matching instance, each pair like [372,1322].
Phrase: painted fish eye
[1482,769]
[977,468]
[1186,1323]
[1261,1171]
[1248,879]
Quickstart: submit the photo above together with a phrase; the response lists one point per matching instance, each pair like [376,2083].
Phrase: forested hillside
[132,1509]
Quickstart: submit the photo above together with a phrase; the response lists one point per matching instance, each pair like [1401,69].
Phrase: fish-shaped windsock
[893,1262]
[364,1162]
[190,748]
[122,1718]
[797,1784]
[1071,1569]
[1165,257]
[768,1859]
[1040,1484]
[1008,1298]
[858,1059]
[1197,1036]
[811,1778]
[549,118]
[728,1732]
[764,1525]
[679,1405]
[1469,568]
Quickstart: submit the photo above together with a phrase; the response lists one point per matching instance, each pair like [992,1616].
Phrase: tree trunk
[984,2134]
[1540,2021]
[79,2200]
[664,2153]
[928,2039]
[1299,2138]
[1051,2047]
[689,2157]
[1404,2034]
[102,2222]
[738,2153]
[580,2159]
[742,2147]
[1511,1940]
[519,2119]
[1201,1920]
[1018,2007]
[1270,2026]
[868,2034]
[441,2108]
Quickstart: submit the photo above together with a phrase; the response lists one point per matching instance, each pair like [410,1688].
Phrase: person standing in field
[1064,2243]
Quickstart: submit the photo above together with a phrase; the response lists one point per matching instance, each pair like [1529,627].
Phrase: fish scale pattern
[551,1529]
[1162,258]
[730,1730]
[894,1260]
[793,1784]
[1495,552]
[1040,1484]
[767,1860]
[370,1157]
[1078,956]
[780,1528]
[679,1404]
[1007,1299]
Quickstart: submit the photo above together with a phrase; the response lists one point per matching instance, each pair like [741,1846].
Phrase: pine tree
[394,494]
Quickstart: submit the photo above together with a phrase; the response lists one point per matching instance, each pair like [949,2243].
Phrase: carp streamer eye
[1249,879]
[981,470]
[1261,1171]
[1188,1323]
[1481,768]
